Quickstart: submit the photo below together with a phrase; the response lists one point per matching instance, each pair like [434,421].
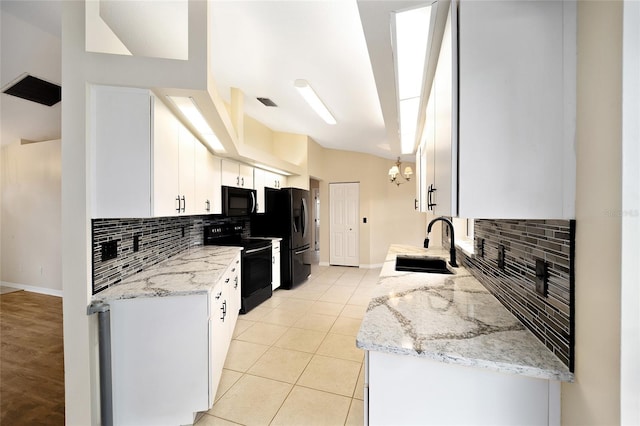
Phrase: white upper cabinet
[517,109]
[144,159]
[237,174]
[265,179]
[505,142]
[208,197]
[120,134]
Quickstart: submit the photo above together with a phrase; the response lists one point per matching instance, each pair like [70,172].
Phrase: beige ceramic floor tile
[335,297]
[311,407]
[272,302]
[307,295]
[316,322]
[256,314]
[242,325]
[356,413]
[228,379]
[331,375]
[265,334]
[326,308]
[299,339]
[281,364]
[353,311]
[282,317]
[359,299]
[209,420]
[295,305]
[344,325]
[242,355]
[358,393]
[341,346]
[251,401]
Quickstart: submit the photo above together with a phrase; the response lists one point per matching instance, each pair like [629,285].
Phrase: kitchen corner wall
[159,239]
[550,318]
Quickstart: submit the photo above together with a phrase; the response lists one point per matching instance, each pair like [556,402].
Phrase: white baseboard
[324,264]
[33,289]
[372,266]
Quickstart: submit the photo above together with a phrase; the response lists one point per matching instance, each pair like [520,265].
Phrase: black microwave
[238,201]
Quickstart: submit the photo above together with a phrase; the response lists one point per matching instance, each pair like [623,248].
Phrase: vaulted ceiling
[342,48]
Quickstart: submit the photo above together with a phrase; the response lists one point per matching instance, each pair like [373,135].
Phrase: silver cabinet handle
[178,200]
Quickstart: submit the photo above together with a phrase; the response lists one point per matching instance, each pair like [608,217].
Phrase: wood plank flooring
[31,359]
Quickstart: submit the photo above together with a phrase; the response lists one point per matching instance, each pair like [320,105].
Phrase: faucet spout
[452,249]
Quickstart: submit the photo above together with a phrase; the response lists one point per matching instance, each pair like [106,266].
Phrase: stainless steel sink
[432,265]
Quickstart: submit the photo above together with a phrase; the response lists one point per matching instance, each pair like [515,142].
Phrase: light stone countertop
[452,319]
[192,271]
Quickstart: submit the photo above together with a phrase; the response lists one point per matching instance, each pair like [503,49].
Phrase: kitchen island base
[405,390]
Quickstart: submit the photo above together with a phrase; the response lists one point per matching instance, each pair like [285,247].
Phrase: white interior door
[344,202]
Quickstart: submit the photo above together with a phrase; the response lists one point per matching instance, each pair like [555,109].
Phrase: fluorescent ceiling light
[410,37]
[314,101]
[190,110]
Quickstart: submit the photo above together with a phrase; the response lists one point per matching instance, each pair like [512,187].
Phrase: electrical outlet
[136,243]
[109,250]
[501,257]
[542,276]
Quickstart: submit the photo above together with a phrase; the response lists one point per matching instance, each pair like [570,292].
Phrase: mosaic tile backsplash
[157,239]
[550,318]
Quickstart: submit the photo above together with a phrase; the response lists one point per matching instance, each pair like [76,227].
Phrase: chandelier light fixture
[396,177]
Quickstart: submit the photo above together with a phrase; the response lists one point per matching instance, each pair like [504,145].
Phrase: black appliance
[287,216]
[238,201]
[255,263]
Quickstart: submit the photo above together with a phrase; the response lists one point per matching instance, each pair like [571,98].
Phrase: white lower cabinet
[404,390]
[168,352]
[275,267]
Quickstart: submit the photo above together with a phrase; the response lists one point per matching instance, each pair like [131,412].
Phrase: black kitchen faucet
[452,249]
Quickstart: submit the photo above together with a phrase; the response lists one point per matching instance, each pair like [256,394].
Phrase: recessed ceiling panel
[36,90]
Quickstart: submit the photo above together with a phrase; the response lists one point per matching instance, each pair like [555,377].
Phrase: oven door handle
[302,251]
[252,251]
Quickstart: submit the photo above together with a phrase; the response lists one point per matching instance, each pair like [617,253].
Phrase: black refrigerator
[287,216]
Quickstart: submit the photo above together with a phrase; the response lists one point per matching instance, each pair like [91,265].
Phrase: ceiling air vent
[267,102]
[34,89]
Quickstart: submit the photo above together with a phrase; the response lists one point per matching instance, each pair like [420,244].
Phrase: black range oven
[255,262]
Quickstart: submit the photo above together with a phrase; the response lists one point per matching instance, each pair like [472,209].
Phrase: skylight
[410,29]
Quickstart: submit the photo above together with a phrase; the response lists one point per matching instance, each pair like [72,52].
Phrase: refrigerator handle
[304,217]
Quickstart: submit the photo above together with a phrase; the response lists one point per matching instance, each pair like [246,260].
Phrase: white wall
[31,217]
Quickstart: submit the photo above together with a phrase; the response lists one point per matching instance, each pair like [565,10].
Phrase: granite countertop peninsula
[195,270]
[452,319]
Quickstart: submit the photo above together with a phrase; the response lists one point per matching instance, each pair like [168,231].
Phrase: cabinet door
[246,176]
[230,173]
[233,300]
[166,130]
[121,139]
[260,181]
[517,68]
[218,338]
[207,191]
[427,156]
[275,271]
[187,177]
[444,191]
